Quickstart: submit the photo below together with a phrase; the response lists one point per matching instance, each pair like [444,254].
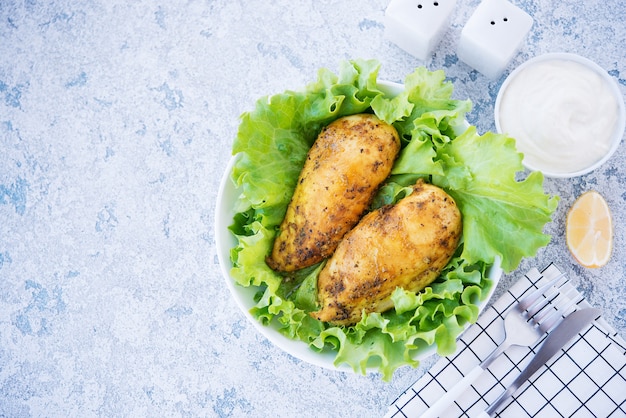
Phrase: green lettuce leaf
[502,217]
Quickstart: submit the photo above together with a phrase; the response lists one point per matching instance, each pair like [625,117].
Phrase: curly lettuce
[503,217]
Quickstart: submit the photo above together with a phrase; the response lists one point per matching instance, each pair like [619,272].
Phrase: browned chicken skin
[349,160]
[403,245]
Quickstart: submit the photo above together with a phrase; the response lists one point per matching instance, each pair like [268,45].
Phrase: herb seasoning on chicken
[403,245]
[350,158]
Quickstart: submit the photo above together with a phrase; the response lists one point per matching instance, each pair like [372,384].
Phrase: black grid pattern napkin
[587,378]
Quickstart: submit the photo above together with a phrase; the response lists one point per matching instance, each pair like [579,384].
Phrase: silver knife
[565,331]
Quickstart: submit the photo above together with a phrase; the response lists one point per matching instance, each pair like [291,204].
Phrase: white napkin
[587,378]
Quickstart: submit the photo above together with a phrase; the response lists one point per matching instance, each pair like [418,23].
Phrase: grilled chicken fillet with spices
[405,245]
[350,158]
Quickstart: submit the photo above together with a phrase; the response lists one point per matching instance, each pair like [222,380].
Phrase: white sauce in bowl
[564,115]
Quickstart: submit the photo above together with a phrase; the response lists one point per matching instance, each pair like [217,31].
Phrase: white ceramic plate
[225,241]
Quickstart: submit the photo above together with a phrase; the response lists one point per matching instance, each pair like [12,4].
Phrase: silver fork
[525,322]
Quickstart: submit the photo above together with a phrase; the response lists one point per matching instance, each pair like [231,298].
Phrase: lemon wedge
[589,230]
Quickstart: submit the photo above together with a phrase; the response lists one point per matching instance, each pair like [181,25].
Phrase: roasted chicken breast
[343,170]
[405,245]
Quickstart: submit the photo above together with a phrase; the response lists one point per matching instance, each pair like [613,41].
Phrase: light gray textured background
[116,123]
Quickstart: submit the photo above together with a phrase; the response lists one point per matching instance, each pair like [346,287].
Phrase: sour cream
[564,115]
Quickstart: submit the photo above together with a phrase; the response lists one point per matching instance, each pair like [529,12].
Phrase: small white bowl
[549,167]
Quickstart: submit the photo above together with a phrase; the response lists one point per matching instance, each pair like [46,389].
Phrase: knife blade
[565,331]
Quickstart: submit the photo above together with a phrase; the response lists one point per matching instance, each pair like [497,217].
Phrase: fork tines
[547,305]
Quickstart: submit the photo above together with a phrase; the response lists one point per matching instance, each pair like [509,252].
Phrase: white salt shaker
[492,36]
